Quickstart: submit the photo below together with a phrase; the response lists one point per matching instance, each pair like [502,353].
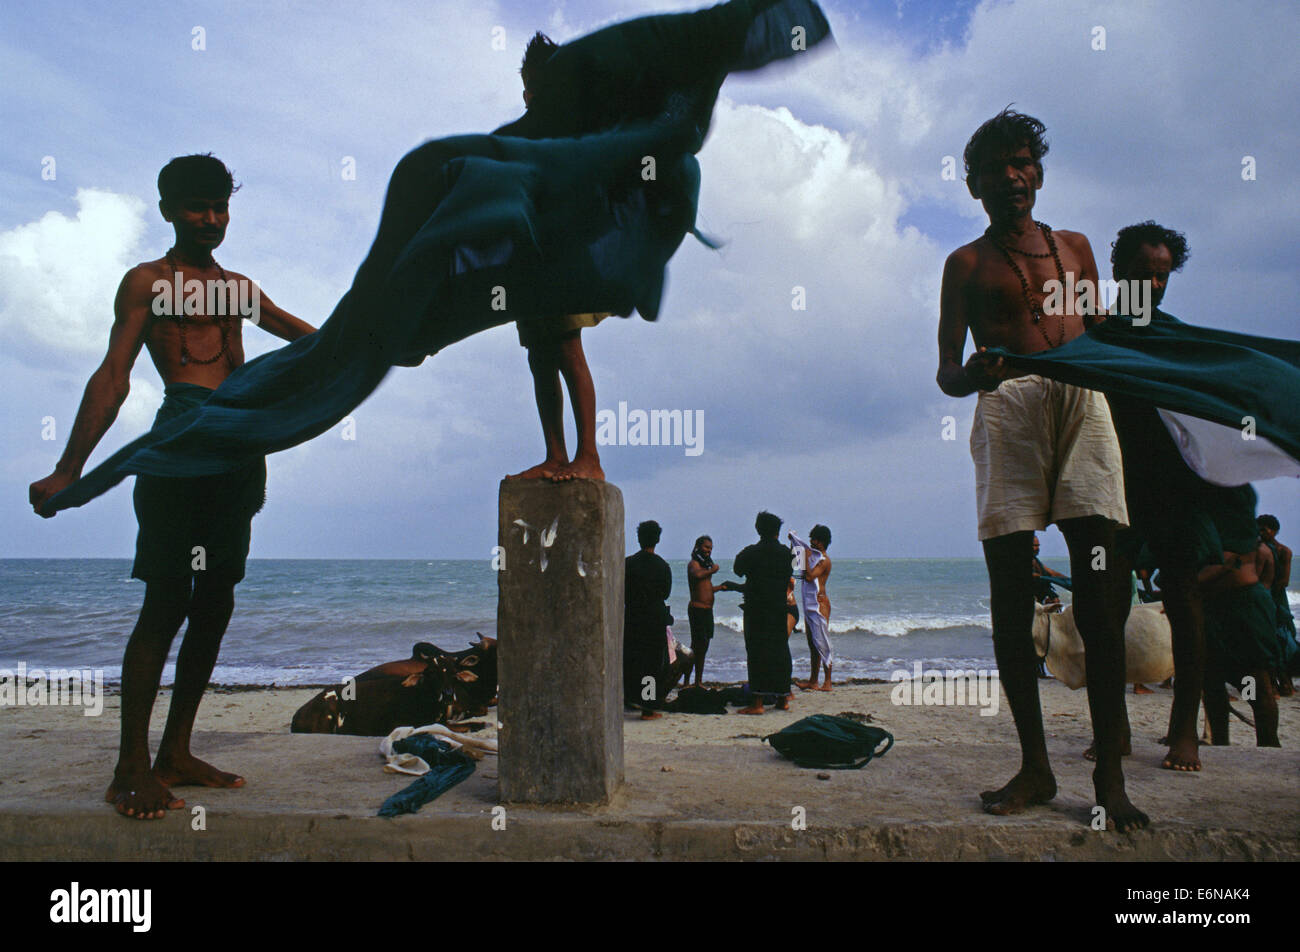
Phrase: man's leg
[755,663]
[544,363]
[1011,600]
[1216,707]
[1185,611]
[1100,605]
[1265,708]
[701,621]
[210,610]
[135,791]
[582,394]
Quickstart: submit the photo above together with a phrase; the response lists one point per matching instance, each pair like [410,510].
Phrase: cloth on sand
[398,761]
[1210,386]
[211,512]
[1044,451]
[449,767]
[563,225]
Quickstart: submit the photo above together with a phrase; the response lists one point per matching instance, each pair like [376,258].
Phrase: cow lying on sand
[433,686]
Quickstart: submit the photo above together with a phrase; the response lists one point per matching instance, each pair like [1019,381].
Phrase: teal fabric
[1211,374]
[563,225]
[1241,632]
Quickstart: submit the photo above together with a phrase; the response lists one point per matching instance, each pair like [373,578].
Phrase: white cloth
[1225,455]
[476,747]
[816,624]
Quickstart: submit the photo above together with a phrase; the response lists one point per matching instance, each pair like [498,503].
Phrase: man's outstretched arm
[275,320]
[106,390]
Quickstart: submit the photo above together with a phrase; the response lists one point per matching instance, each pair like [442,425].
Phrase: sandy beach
[697,787]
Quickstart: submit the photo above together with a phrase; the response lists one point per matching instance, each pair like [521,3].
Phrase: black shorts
[196,526]
[701,620]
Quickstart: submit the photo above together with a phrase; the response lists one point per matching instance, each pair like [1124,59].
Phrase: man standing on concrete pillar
[648,581]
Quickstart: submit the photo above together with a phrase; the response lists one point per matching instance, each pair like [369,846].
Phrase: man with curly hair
[1045,452]
[1190,527]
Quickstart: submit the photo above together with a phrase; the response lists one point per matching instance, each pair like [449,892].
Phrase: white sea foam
[886,626]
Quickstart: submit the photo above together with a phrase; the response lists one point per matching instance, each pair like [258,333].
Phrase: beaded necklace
[1035,310]
[223,322]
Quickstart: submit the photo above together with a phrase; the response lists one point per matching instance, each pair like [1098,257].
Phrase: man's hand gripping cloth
[563,225]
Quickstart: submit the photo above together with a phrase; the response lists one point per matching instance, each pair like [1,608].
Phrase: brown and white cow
[432,686]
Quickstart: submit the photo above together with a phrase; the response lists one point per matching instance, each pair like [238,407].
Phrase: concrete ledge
[313,797]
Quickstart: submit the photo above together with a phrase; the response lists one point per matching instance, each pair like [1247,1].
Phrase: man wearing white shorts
[1044,452]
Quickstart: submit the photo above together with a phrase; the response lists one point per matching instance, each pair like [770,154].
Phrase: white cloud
[58,275]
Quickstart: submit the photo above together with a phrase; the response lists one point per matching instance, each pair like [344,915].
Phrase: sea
[310,622]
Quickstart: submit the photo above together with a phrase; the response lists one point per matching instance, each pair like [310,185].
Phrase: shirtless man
[1281,578]
[1266,567]
[816,603]
[1242,646]
[554,344]
[1044,452]
[194,533]
[700,571]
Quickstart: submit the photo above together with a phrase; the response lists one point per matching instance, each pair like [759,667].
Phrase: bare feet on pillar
[546,469]
[1027,788]
[582,467]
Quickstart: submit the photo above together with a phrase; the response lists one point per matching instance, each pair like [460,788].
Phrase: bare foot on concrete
[1125,751]
[546,469]
[582,467]
[141,796]
[1142,689]
[189,771]
[1027,788]
[1183,755]
[752,709]
[1121,815]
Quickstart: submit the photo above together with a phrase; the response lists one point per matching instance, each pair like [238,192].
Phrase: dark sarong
[1241,633]
[211,514]
[701,620]
[766,567]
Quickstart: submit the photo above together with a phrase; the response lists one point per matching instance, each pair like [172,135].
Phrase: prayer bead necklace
[223,322]
[1035,310]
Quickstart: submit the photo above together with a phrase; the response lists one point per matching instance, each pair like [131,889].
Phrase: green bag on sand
[828,742]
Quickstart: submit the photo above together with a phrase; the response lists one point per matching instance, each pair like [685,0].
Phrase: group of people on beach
[769,610]
[1045,451]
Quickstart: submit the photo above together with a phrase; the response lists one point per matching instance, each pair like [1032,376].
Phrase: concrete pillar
[560,624]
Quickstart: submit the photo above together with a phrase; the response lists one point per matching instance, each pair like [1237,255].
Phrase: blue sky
[826,176]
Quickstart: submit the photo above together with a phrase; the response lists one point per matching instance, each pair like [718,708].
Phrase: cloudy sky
[827,177]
